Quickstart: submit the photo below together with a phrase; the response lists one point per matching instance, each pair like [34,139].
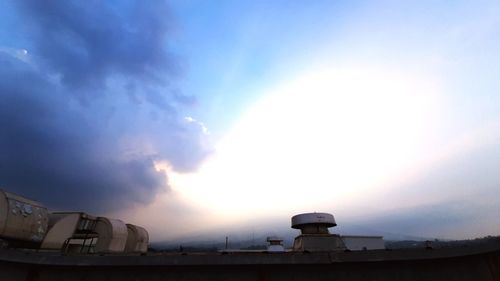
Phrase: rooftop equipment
[313,223]
[275,244]
[363,243]
[314,235]
[71,232]
[23,222]
[112,235]
[137,239]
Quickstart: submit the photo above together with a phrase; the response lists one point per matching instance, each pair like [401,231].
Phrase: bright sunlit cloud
[324,139]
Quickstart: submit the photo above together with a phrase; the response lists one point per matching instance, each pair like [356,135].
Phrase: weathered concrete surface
[445,264]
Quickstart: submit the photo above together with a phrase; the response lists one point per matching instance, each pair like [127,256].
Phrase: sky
[197,118]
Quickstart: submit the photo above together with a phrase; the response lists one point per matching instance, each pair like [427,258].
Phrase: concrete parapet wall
[376,266]
[476,268]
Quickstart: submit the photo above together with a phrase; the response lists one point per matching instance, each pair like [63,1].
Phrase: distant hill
[259,242]
[406,244]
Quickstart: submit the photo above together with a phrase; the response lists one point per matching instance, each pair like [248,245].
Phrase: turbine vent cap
[313,219]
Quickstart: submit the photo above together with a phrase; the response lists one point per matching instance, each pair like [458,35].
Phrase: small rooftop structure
[315,236]
[363,243]
[275,244]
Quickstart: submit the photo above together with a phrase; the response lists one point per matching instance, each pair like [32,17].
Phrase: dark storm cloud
[48,152]
[98,155]
[89,42]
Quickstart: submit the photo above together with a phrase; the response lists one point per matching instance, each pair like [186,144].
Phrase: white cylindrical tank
[137,239]
[112,235]
[22,219]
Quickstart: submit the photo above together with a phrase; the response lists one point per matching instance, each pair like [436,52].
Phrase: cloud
[21,54]
[87,116]
[452,219]
[88,43]
[190,119]
[454,198]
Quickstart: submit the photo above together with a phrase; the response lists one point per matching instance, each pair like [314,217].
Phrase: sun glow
[323,140]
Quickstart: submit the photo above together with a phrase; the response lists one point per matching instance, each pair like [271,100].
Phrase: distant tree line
[436,243]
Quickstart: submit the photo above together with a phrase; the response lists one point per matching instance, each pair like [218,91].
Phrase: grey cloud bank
[85,117]
[456,199]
